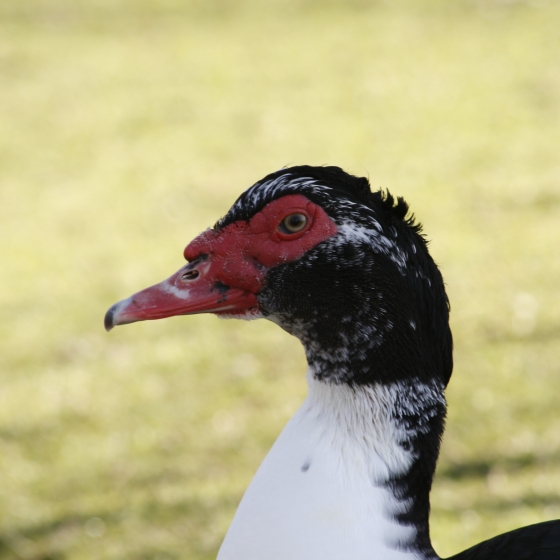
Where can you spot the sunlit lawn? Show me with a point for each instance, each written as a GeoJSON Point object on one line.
{"type": "Point", "coordinates": [128, 127]}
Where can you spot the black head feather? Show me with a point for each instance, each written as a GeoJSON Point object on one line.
{"type": "Point", "coordinates": [379, 253]}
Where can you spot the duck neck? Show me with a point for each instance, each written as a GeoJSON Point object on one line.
{"type": "Point", "coordinates": [398, 427]}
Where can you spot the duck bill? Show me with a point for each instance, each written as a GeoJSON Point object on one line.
{"type": "Point", "coordinates": [191, 290]}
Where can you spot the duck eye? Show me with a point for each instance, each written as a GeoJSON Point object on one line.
{"type": "Point", "coordinates": [294, 223]}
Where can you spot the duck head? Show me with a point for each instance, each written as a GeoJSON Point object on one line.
{"type": "Point", "coordinates": [338, 266]}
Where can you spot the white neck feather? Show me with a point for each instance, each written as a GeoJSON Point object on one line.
{"type": "Point", "coordinates": [320, 493]}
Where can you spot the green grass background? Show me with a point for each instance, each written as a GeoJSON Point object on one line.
{"type": "Point", "coordinates": [129, 126]}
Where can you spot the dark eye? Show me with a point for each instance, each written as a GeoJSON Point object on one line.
{"type": "Point", "coordinates": [294, 223]}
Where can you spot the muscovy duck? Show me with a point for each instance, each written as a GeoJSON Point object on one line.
{"type": "Point", "coordinates": [348, 272]}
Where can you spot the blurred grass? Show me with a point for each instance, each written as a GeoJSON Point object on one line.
{"type": "Point", "coordinates": [128, 127]}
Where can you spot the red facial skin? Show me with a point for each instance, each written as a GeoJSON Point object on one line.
{"type": "Point", "coordinates": [232, 266]}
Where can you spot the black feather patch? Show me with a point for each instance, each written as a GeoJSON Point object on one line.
{"type": "Point", "coordinates": [535, 542]}
{"type": "Point", "coordinates": [399, 209]}
{"type": "Point", "coordinates": [339, 183]}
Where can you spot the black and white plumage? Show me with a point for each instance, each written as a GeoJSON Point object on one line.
{"type": "Point", "coordinates": [344, 270]}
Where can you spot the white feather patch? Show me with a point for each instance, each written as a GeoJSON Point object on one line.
{"type": "Point", "coordinates": [320, 494]}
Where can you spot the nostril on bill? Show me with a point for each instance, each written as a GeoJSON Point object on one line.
{"type": "Point", "coordinates": [190, 275]}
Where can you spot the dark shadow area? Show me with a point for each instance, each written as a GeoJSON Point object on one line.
{"type": "Point", "coordinates": [40, 536]}
{"type": "Point", "coordinates": [9, 539]}
{"type": "Point", "coordinates": [528, 500]}
{"type": "Point", "coordinates": [482, 467]}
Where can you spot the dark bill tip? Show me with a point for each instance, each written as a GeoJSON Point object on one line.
{"type": "Point", "coordinates": [109, 317]}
